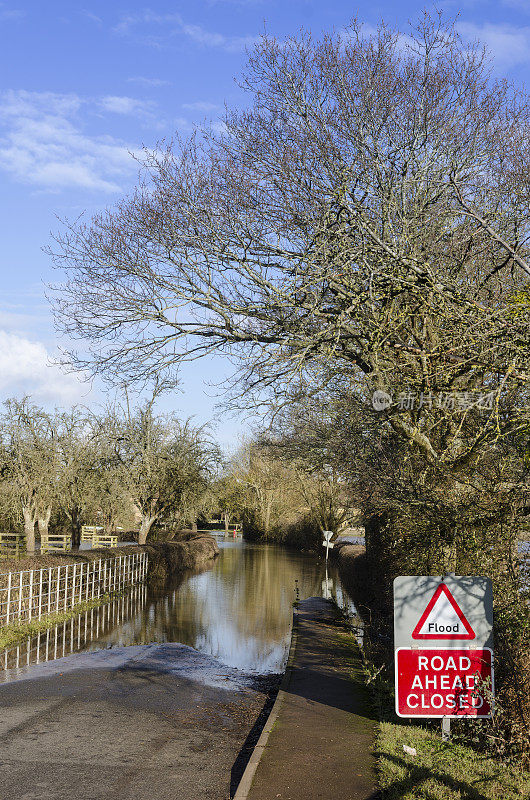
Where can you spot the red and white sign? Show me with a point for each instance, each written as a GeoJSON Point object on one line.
{"type": "Point", "coordinates": [432, 682]}
{"type": "Point", "coordinates": [443, 618]}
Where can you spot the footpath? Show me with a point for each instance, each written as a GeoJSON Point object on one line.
{"type": "Point", "coordinates": [318, 741]}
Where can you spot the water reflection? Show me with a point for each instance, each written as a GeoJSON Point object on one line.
{"type": "Point", "coordinates": [78, 633]}
{"type": "Point", "coordinates": [239, 611]}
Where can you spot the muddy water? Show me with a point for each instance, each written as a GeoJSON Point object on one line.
{"type": "Point", "coordinates": [237, 614]}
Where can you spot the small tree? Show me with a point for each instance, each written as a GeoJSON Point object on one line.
{"type": "Point", "coordinates": [163, 462]}
{"type": "Point", "coordinates": [30, 469]}
{"type": "Point", "coordinates": [229, 496]}
{"type": "Point", "coordinates": [79, 458]}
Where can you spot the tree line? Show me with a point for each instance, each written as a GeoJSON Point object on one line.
{"type": "Point", "coordinates": [123, 465]}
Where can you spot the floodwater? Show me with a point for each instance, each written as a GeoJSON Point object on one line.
{"type": "Point", "coordinates": [237, 614]}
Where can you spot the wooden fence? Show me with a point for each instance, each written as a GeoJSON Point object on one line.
{"type": "Point", "coordinates": [12, 545]}
{"type": "Point", "coordinates": [32, 593]}
{"type": "Point", "coordinates": [55, 542]}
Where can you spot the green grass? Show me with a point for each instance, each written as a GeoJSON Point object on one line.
{"type": "Point", "coordinates": [11, 635]}
{"type": "Point", "coordinates": [442, 771]}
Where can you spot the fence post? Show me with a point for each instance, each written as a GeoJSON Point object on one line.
{"type": "Point", "coordinates": [20, 595]}
{"type": "Point", "coordinates": [30, 593]}
{"type": "Point", "coordinates": [40, 592]}
{"type": "Point", "coordinates": [58, 589]}
{"type": "Point", "coordinates": [66, 588]}
{"type": "Point", "coordinates": [80, 580]}
{"type": "Point", "coordinates": [8, 598]}
{"type": "Point", "coordinates": [49, 589]}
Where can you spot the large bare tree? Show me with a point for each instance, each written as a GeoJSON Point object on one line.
{"type": "Point", "coordinates": [363, 222]}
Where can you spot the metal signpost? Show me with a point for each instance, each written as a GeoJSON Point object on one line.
{"type": "Point", "coordinates": [327, 543]}
{"type": "Point", "coordinates": [443, 647]}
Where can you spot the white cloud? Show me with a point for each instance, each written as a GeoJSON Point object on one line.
{"type": "Point", "coordinates": [91, 16]}
{"type": "Point", "coordinates": [200, 106]}
{"type": "Point", "coordinates": [7, 14]}
{"type": "Point", "coordinates": [42, 143]}
{"type": "Point", "coordinates": [26, 368]}
{"type": "Point", "coordinates": [508, 44]}
{"type": "Point", "coordinates": [121, 105]}
{"type": "Point", "coordinates": [141, 81]}
{"type": "Point", "coordinates": [157, 29]}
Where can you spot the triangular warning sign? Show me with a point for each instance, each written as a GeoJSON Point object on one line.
{"type": "Point", "coordinates": [443, 618]}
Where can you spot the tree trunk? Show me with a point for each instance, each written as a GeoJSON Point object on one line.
{"type": "Point", "coordinates": [145, 527]}
{"type": "Point", "coordinates": [75, 526]}
{"type": "Point", "coordinates": [29, 528]}
{"type": "Point", "coordinates": [226, 521]}
{"type": "Point", "coordinates": [44, 521]}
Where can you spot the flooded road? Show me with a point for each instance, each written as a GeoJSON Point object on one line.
{"type": "Point", "coordinates": [237, 614]}
{"type": "Point", "coordinates": [156, 694]}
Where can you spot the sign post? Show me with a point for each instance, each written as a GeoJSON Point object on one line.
{"type": "Point", "coordinates": [327, 542]}
{"type": "Point", "coordinates": [443, 647]}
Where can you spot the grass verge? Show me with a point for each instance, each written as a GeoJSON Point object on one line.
{"type": "Point", "coordinates": [440, 770]}
{"type": "Point", "coordinates": [11, 635]}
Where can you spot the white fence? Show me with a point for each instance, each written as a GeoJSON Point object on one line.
{"type": "Point", "coordinates": [76, 633]}
{"type": "Point", "coordinates": [33, 593]}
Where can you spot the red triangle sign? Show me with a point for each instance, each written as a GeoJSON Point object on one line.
{"type": "Point", "coordinates": [443, 618]}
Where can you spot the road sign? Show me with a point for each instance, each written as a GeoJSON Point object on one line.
{"type": "Point", "coordinates": [443, 646]}
{"type": "Point", "coordinates": [443, 611]}
{"type": "Point", "coordinates": [431, 682]}
{"type": "Point", "coordinates": [443, 618]}
{"type": "Point", "coordinates": [327, 535]}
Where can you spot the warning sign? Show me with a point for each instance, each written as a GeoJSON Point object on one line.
{"type": "Point", "coordinates": [443, 618]}
{"type": "Point", "coordinates": [446, 611]}
{"type": "Point", "coordinates": [444, 683]}
{"type": "Point", "coordinates": [443, 646]}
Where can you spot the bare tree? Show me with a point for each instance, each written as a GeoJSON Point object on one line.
{"type": "Point", "coordinates": [362, 226]}
{"type": "Point", "coordinates": [163, 462]}
{"type": "Point", "coordinates": [29, 463]}
{"type": "Point", "coordinates": [79, 457]}
{"type": "Point", "coordinates": [366, 215]}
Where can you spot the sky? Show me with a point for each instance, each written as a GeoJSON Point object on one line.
{"type": "Point", "coordinates": [85, 84]}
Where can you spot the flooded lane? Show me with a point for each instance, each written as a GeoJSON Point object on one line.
{"type": "Point", "coordinates": [236, 614]}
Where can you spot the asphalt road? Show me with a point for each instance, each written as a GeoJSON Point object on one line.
{"type": "Point", "coordinates": [135, 723]}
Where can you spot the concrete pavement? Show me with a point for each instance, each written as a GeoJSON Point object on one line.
{"type": "Point", "coordinates": [319, 741]}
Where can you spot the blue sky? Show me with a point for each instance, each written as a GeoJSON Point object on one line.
{"type": "Point", "coordinates": [83, 84]}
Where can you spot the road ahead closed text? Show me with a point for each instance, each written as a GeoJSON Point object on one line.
{"type": "Point", "coordinates": [436, 682]}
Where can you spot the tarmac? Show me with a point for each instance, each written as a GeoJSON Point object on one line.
{"type": "Point", "coordinates": [318, 742]}
{"type": "Point", "coordinates": [155, 722]}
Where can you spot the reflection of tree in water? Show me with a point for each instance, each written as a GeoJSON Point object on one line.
{"type": "Point", "coordinates": [241, 610]}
